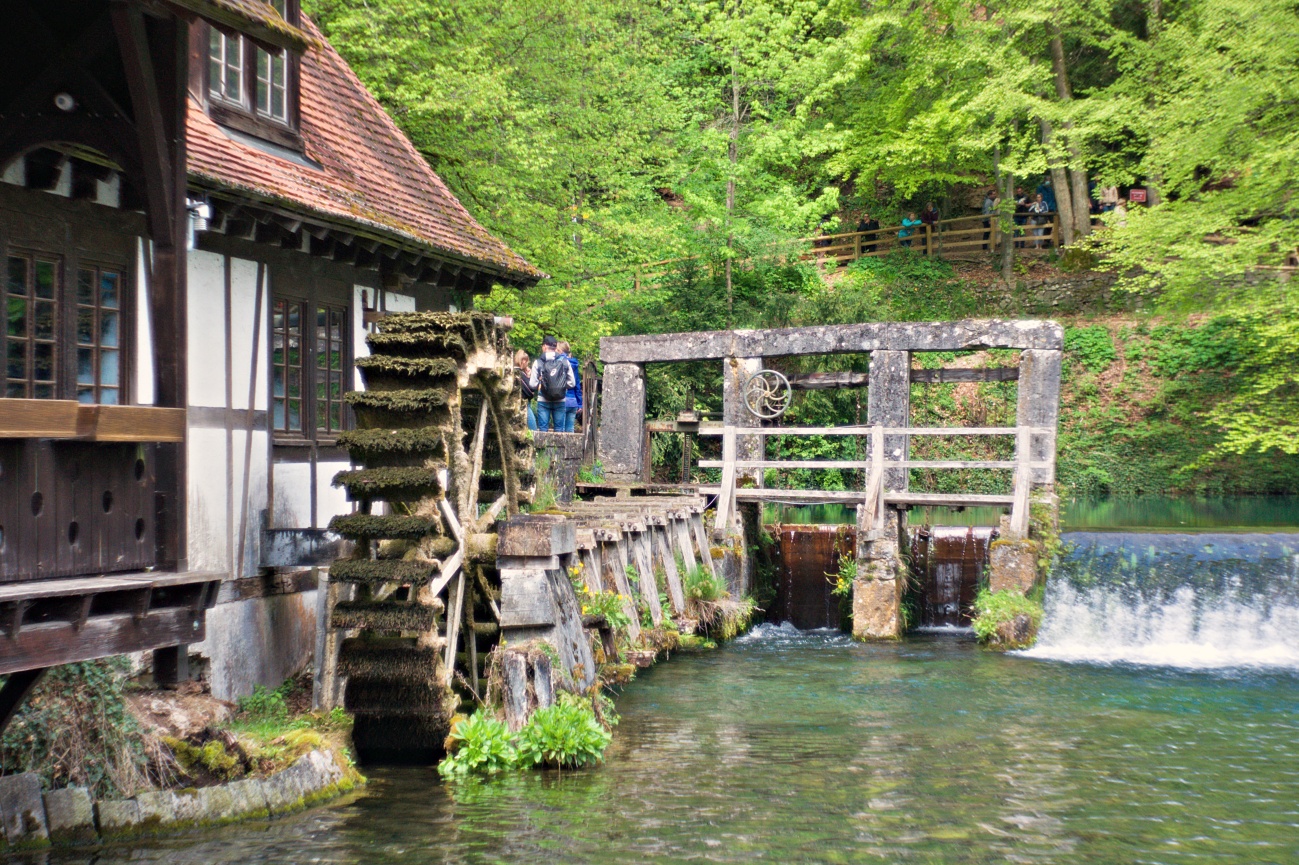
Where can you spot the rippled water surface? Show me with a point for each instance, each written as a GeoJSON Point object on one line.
{"type": "Point", "coordinates": [790, 747]}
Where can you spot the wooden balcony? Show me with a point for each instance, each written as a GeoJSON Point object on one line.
{"type": "Point", "coordinates": [70, 420]}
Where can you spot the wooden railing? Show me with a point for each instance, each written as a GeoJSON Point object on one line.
{"type": "Point", "coordinates": [947, 238]}
{"type": "Point", "coordinates": [874, 496]}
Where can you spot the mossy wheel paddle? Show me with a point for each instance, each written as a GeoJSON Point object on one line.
{"type": "Point", "coordinates": [767, 394]}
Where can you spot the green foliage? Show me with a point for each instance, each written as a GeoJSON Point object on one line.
{"type": "Point", "coordinates": [566, 735]}
{"type": "Point", "coordinates": [480, 745]}
{"type": "Point", "coordinates": [210, 758]}
{"type": "Point", "coordinates": [264, 705]}
{"type": "Point", "coordinates": [843, 578]}
{"type": "Point", "coordinates": [993, 610]}
{"type": "Point", "coordinates": [592, 474]}
{"type": "Point", "coordinates": [75, 729]}
{"type": "Point", "coordinates": [702, 585]}
{"type": "Point", "coordinates": [607, 604]}
{"type": "Point", "coordinates": [1091, 346]}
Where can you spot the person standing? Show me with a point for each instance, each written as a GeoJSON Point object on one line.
{"type": "Point", "coordinates": [551, 377]}
{"type": "Point", "coordinates": [573, 396]}
{"type": "Point", "coordinates": [866, 224]}
{"type": "Point", "coordinates": [1039, 209]}
{"type": "Point", "coordinates": [909, 225]}
{"type": "Point", "coordinates": [991, 201]}
{"type": "Point", "coordinates": [522, 364]}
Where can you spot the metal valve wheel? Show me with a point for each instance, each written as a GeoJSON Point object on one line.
{"type": "Point", "coordinates": [767, 394]}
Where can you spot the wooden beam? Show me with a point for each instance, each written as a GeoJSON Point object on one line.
{"type": "Point", "coordinates": [48, 644]}
{"type": "Point", "coordinates": [718, 429]}
{"type": "Point", "coordinates": [828, 380]}
{"type": "Point", "coordinates": [16, 688]}
{"type": "Point", "coordinates": [946, 376]}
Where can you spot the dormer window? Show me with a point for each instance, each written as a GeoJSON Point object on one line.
{"type": "Point", "coordinates": [251, 90]}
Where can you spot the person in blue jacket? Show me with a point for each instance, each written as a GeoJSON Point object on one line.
{"type": "Point", "coordinates": [573, 399]}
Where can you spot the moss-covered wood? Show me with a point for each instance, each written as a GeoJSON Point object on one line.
{"type": "Point", "coordinates": [374, 572]}
{"type": "Point", "coordinates": [418, 344]}
{"type": "Point", "coordinates": [393, 484]}
{"type": "Point", "coordinates": [388, 660]}
{"type": "Point", "coordinates": [393, 526]}
{"type": "Point", "coordinates": [367, 444]}
{"type": "Point", "coordinates": [385, 615]}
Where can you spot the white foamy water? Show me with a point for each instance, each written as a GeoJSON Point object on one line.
{"type": "Point", "coordinates": [785, 634]}
{"type": "Point", "coordinates": [1104, 624]}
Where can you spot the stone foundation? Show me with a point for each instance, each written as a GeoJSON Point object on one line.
{"type": "Point", "coordinates": [1012, 565]}
{"type": "Point", "coordinates": [877, 609]}
{"type": "Point", "coordinates": [69, 816]}
{"type": "Point", "coordinates": [563, 460]}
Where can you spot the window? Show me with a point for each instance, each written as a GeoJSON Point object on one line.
{"type": "Point", "coordinates": [286, 367]}
{"type": "Point", "coordinates": [99, 336]}
{"type": "Point", "coordinates": [37, 349]}
{"type": "Point", "coordinates": [253, 90]}
{"type": "Point", "coordinates": [308, 360]}
{"type": "Point", "coordinates": [330, 356]}
{"type": "Point", "coordinates": [31, 327]}
{"type": "Point", "coordinates": [225, 60]}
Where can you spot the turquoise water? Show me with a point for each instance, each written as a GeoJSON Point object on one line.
{"type": "Point", "coordinates": [805, 747]}
{"type": "Point", "coordinates": [1236, 513]}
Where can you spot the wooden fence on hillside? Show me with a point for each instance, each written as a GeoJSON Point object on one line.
{"type": "Point", "coordinates": [960, 238]}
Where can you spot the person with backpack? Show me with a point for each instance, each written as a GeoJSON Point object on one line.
{"type": "Point", "coordinates": [551, 377]}
{"type": "Point", "coordinates": [521, 372]}
{"type": "Point", "coordinates": [573, 398]}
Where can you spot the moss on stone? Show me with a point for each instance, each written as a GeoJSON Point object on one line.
{"type": "Point", "coordinates": [382, 571]}
{"type": "Point", "coordinates": [389, 526]}
{"type": "Point", "coordinates": [390, 484]}
{"type": "Point", "coordinates": [435, 322]}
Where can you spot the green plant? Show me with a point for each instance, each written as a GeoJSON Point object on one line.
{"type": "Point", "coordinates": [995, 610]}
{"type": "Point", "coordinates": [592, 474]}
{"type": "Point", "coordinates": [75, 729]}
{"type": "Point", "coordinates": [566, 735]}
{"type": "Point", "coordinates": [607, 604]}
{"type": "Point", "coordinates": [1091, 346]}
{"type": "Point", "coordinates": [480, 745]}
{"type": "Point", "coordinates": [264, 705]}
{"type": "Point", "coordinates": [703, 585]}
{"type": "Point", "coordinates": [843, 578]}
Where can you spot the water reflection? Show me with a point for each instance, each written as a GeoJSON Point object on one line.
{"type": "Point", "coordinates": [797, 747]}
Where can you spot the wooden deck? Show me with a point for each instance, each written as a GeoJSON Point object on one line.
{"type": "Point", "coordinates": [50, 622]}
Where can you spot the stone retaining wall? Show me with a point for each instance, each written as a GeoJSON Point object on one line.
{"type": "Point", "coordinates": [69, 816]}
{"type": "Point", "coordinates": [1088, 291]}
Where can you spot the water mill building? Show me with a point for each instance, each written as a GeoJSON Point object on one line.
{"type": "Point", "coordinates": [202, 211]}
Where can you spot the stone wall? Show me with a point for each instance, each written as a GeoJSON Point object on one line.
{"type": "Point", "coordinates": [70, 816]}
{"type": "Point", "coordinates": [1086, 291]}
{"type": "Point", "coordinates": [562, 459]}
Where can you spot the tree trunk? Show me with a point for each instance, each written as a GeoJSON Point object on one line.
{"type": "Point", "coordinates": [1007, 220]}
{"type": "Point", "coordinates": [733, 151]}
{"type": "Point", "coordinates": [1063, 197]}
{"type": "Point", "coordinates": [1077, 171]}
{"type": "Point", "coordinates": [1154, 22]}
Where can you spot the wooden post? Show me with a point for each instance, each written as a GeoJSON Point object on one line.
{"type": "Point", "coordinates": [701, 540]}
{"type": "Point", "coordinates": [875, 487]}
{"type": "Point", "coordinates": [856, 246]}
{"type": "Point", "coordinates": [726, 495]}
{"type": "Point", "coordinates": [1023, 480]}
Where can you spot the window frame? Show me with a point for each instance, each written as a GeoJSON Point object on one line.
{"type": "Point", "coordinates": [311, 431]}
{"type": "Point", "coordinates": [68, 266]}
{"type": "Point", "coordinates": [243, 114]}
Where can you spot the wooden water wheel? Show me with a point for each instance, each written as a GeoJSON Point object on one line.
{"type": "Point", "coordinates": [442, 451]}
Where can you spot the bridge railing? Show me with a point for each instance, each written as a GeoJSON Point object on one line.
{"type": "Point", "coordinates": [875, 497]}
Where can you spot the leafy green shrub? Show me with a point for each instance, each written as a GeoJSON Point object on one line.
{"type": "Point", "coordinates": [481, 745]}
{"type": "Point", "coordinates": [1215, 344]}
{"type": "Point", "coordinates": [75, 729]}
{"type": "Point", "coordinates": [995, 610]}
{"type": "Point", "coordinates": [607, 604]}
{"type": "Point", "coordinates": [1091, 346]}
{"type": "Point", "coordinates": [263, 705]}
{"type": "Point", "coordinates": [566, 735]}
{"type": "Point", "coordinates": [702, 585]}
{"type": "Point", "coordinates": [843, 579]}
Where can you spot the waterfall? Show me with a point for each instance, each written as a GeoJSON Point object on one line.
{"type": "Point", "coordinates": [1200, 601]}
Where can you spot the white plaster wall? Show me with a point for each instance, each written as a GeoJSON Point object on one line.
{"type": "Point", "coordinates": [208, 491]}
{"type": "Point", "coordinates": [143, 323]}
{"type": "Point", "coordinates": [359, 348]}
{"type": "Point", "coordinates": [207, 336]}
{"type": "Point", "coordinates": [245, 322]}
{"type": "Point", "coordinates": [330, 500]}
{"type": "Point", "coordinates": [261, 641]}
{"type": "Point", "coordinates": [292, 495]}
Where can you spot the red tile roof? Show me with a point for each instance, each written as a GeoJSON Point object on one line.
{"type": "Point", "coordinates": [371, 178]}
{"type": "Point", "coordinates": [257, 18]}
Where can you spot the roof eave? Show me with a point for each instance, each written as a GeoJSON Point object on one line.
{"type": "Point", "coordinates": [267, 27]}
